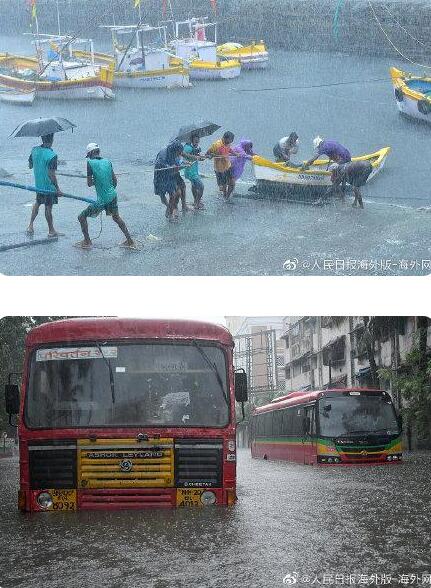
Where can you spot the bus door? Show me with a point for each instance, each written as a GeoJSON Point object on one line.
{"type": "Point", "coordinates": [309, 435]}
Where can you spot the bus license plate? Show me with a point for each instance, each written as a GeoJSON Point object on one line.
{"type": "Point", "coordinates": [189, 496]}
{"type": "Point", "coordinates": [63, 500]}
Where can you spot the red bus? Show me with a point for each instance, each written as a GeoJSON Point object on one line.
{"type": "Point", "coordinates": [126, 414]}
{"type": "Point", "coordinates": [326, 427]}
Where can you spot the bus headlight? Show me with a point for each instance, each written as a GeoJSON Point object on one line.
{"type": "Point", "coordinates": [44, 500]}
{"type": "Point", "coordinates": [208, 497]}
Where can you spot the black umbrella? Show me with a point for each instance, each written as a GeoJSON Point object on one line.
{"type": "Point", "coordinates": [203, 128]}
{"type": "Point", "coordinates": [38, 127]}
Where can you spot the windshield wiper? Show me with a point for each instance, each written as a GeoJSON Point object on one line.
{"type": "Point", "coordinates": [213, 367]}
{"type": "Point", "coordinates": [111, 374]}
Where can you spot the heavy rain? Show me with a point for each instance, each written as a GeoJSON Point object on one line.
{"type": "Point", "coordinates": [331, 82]}
{"type": "Point", "coordinates": [289, 519]}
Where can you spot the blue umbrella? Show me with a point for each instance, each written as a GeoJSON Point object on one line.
{"type": "Point", "coordinates": [38, 127]}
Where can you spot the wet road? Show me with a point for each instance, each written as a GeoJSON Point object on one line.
{"type": "Point", "coordinates": [289, 518]}
{"type": "Point", "coordinates": [246, 237]}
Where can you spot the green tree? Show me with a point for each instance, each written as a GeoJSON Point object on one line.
{"type": "Point", "coordinates": [13, 331]}
{"type": "Point", "coordinates": [413, 382]}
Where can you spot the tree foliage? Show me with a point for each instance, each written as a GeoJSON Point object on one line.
{"type": "Point", "coordinates": [413, 382]}
{"type": "Point", "coordinates": [13, 331]}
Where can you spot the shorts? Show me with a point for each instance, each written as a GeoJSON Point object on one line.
{"type": "Point", "coordinates": [47, 199]}
{"type": "Point", "coordinates": [223, 178]}
{"type": "Point", "coordinates": [181, 185]}
{"type": "Point", "coordinates": [166, 183]}
{"type": "Point", "coordinates": [95, 209]}
{"type": "Point", "coordinates": [197, 183]}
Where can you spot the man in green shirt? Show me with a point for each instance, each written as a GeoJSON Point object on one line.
{"type": "Point", "coordinates": [100, 174]}
{"type": "Point", "coordinates": [43, 162]}
{"type": "Point", "coordinates": [191, 152]}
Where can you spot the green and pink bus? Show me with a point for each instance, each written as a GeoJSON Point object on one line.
{"type": "Point", "coordinates": [326, 427]}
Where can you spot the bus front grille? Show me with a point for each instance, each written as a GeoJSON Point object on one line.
{"type": "Point", "coordinates": [198, 463]}
{"type": "Point", "coordinates": [125, 463]}
{"type": "Point", "coordinates": [125, 499]}
{"type": "Point", "coordinates": [52, 467]}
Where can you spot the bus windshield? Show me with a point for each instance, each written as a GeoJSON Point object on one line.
{"type": "Point", "coordinates": [346, 414]}
{"type": "Point", "coordinates": [178, 385]}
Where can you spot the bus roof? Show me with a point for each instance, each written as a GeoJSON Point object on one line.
{"type": "Point", "coordinates": [89, 329]}
{"type": "Point", "coordinates": [304, 397]}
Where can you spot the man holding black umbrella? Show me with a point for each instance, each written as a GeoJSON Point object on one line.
{"type": "Point", "coordinates": [43, 162]}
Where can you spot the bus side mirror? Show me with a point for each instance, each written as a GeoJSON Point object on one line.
{"type": "Point", "coordinates": [11, 398]}
{"type": "Point", "coordinates": [241, 394]}
{"type": "Point", "coordinates": [400, 422]}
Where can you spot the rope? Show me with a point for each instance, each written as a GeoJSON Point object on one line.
{"type": "Point", "coordinates": [391, 43]}
{"type": "Point", "coordinates": [404, 29]}
{"type": "Point", "coordinates": [48, 192]}
{"type": "Point", "coordinates": [370, 81]}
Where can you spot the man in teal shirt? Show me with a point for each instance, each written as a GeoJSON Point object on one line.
{"type": "Point", "coordinates": [43, 162]}
{"type": "Point", "coordinates": [191, 152]}
{"type": "Point", "coordinates": [100, 174]}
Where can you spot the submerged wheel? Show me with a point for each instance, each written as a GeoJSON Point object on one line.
{"type": "Point", "coordinates": [424, 107]}
{"type": "Point", "coordinates": [399, 95]}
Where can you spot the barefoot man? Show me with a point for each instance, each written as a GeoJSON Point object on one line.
{"type": "Point", "coordinates": [220, 151]}
{"type": "Point", "coordinates": [100, 174]}
{"type": "Point", "coordinates": [43, 162]}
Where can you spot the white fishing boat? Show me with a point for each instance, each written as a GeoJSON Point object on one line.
{"type": "Point", "coordinates": [253, 56]}
{"type": "Point", "coordinates": [278, 177]}
{"type": "Point", "coordinates": [412, 94]}
{"type": "Point", "coordinates": [199, 54]}
{"type": "Point", "coordinates": [142, 65]}
{"type": "Point", "coordinates": [53, 73]}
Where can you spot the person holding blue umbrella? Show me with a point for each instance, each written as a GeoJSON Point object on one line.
{"type": "Point", "coordinates": [43, 162]}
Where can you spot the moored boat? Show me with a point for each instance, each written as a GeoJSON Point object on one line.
{"type": "Point", "coordinates": [412, 94]}
{"type": "Point", "coordinates": [279, 178]}
{"type": "Point", "coordinates": [22, 79]}
{"type": "Point", "coordinates": [200, 54]}
{"type": "Point", "coordinates": [139, 65]}
{"type": "Point", "coordinates": [253, 56]}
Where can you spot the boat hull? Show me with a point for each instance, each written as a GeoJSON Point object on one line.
{"type": "Point", "coordinates": [161, 79]}
{"type": "Point", "coordinates": [214, 71]}
{"type": "Point", "coordinates": [82, 88]}
{"type": "Point", "coordinates": [278, 178]}
{"type": "Point", "coordinates": [253, 56]}
{"type": "Point", "coordinates": [409, 98]}
{"type": "Point", "coordinates": [19, 98]}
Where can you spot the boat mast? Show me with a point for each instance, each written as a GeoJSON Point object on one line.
{"type": "Point", "coordinates": [58, 19]}
{"type": "Point", "coordinates": [141, 34]}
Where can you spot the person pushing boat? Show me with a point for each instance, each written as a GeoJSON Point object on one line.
{"type": "Point", "coordinates": [332, 149]}
{"type": "Point", "coordinates": [166, 177]}
{"type": "Point", "coordinates": [100, 174]}
{"type": "Point", "coordinates": [220, 150]}
{"type": "Point", "coordinates": [355, 173]}
{"type": "Point", "coordinates": [192, 153]}
{"type": "Point", "coordinates": [243, 153]}
{"type": "Point", "coordinates": [43, 162]}
{"type": "Point", "coordinates": [285, 148]}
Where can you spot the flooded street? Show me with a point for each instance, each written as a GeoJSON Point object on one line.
{"type": "Point", "coordinates": [247, 236]}
{"type": "Point", "coordinates": [289, 518]}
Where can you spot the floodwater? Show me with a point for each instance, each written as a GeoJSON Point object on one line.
{"type": "Point", "coordinates": [248, 236]}
{"type": "Point", "coordinates": [289, 519]}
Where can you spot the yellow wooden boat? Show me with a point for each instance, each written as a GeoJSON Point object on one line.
{"type": "Point", "coordinates": [278, 177]}
{"type": "Point", "coordinates": [142, 65]}
{"type": "Point", "coordinates": [412, 94]}
{"type": "Point", "coordinates": [199, 54]}
{"type": "Point", "coordinates": [20, 76]}
{"type": "Point", "coordinates": [253, 56]}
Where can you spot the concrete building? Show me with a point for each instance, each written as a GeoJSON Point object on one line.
{"type": "Point", "coordinates": [334, 351]}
